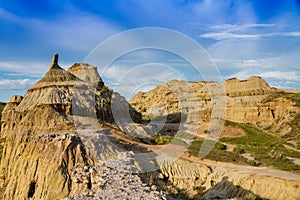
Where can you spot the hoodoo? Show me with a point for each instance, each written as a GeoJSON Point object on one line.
{"type": "Point", "coordinates": [42, 147]}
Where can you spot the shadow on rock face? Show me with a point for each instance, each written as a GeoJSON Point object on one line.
{"type": "Point", "coordinates": [227, 190]}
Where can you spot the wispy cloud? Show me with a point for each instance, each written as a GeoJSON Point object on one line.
{"type": "Point", "coordinates": [235, 27]}
{"type": "Point", "coordinates": [28, 68]}
{"type": "Point", "coordinates": [21, 84]}
{"type": "Point", "coordinates": [278, 79]}
{"type": "Point", "coordinates": [279, 75]}
{"type": "Point", "coordinates": [227, 36]}
{"type": "Point", "coordinates": [263, 63]}
{"type": "Point", "coordinates": [24, 68]}
{"type": "Point", "coordinates": [246, 31]}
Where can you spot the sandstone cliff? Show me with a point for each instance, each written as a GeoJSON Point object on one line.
{"type": "Point", "coordinates": [247, 101]}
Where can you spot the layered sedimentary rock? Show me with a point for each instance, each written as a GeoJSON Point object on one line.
{"type": "Point", "coordinates": [41, 131]}
{"type": "Point", "coordinates": [216, 180]}
{"type": "Point", "coordinates": [246, 102]}
{"type": "Point", "coordinates": [254, 85]}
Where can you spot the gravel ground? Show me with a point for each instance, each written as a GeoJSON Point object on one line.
{"type": "Point", "coordinates": [115, 179]}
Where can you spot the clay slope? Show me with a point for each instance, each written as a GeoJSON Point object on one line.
{"type": "Point", "coordinates": [247, 101]}
{"type": "Point", "coordinates": [217, 180]}
{"type": "Point", "coordinates": [41, 131]}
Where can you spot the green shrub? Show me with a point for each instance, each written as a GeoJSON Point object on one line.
{"type": "Point", "coordinates": [146, 118]}
{"type": "Point", "coordinates": [161, 139]}
{"type": "Point", "coordinates": [239, 150]}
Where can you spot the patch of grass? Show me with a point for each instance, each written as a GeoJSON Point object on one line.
{"type": "Point", "coordinates": [254, 137]}
{"type": "Point", "coordinates": [264, 147]}
{"type": "Point", "coordinates": [230, 123]}
{"type": "Point", "coordinates": [179, 138]}
{"type": "Point", "coordinates": [293, 96]}
{"type": "Point", "coordinates": [161, 139]}
{"type": "Point", "coordinates": [218, 152]}
{"type": "Point", "coordinates": [146, 118]}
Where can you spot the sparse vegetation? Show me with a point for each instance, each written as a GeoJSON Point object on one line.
{"type": "Point", "coordinates": [266, 148]}
{"type": "Point", "coordinates": [295, 132]}
{"type": "Point", "coordinates": [161, 139]}
{"type": "Point", "coordinates": [293, 96]}
{"type": "Point", "coordinates": [254, 137]}
{"type": "Point", "coordinates": [146, 118]}
{"type": "Point", "coordinates": [218, 152]}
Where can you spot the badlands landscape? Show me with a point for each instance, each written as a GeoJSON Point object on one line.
{"type": "Point", "coordinates": [72, 137]}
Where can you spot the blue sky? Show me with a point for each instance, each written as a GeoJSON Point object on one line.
{"type": "Point", "coordinates": [243, 38]}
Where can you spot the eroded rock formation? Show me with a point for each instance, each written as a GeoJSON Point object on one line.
{"type": "Point", "coordinates": [217, 180]}
{"type": "Point", "coordinates": [53, 141]}
{"type": "Point", "coordinates": [42, 146]}
{"type": "Point", "coordinates": [247, 101]}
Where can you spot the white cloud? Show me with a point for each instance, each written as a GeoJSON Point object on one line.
{"type": "Point", "coordinates": [21, 84]}
{"type": "Point", "coordinates": [278, 79]}
{"type": "Point", "coordinates": [24, 68]}
{"type": "Point", "coordinates": [262, 63]}
{"type": "Point", "coordinates": [239, 55]}
{"type": "Point", "coordinates": [279, 75]}
{"type": "Point", "coordinates": [247, 31]}
{"type": "Point", "coordinates": [28, 68]}
{"type": "Point", "coordinates": [235, 27]}
{"type": "Point", "coordinates": [228, 35]}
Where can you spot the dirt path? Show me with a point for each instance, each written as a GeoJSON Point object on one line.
{"type": "Point", "coordinates": [231, 167]}
{"type": "Point", "coordinates": [264, 171]}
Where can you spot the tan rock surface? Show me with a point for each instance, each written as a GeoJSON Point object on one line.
{"type": "Point", "coordinates": [212, 180]}
{"type": "Point", "coordinates": [245, 102]}
{"type": "Point", "coordinates": [42, 146]}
